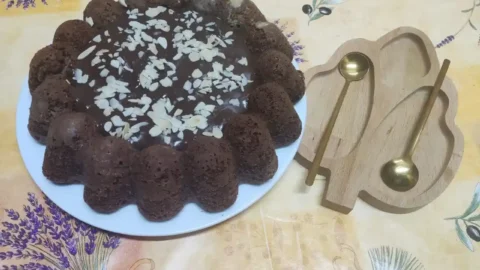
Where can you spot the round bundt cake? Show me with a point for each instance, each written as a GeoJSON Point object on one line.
{"type": "Point", "coordinates": [158, 102]}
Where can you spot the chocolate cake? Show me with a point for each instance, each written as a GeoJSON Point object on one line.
{"type": "Point", "coordinates": [157, 102]}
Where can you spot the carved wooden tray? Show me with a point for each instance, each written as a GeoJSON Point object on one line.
{"type": "Point", "coordinates": [376, 120]}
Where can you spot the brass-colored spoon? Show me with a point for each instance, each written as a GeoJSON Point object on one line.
{"type": "Point", "coordinates": [352, 67]}
{"type": "Point", "coordinates": [402, 174]}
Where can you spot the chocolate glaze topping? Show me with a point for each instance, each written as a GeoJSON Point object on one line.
{"type": "Point", "coordinates": [162, 76]}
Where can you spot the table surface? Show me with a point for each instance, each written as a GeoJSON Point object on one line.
{"type": "Point", "coordinates": [286, 229]}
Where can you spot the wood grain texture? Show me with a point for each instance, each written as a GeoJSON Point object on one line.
{"type": "Point", "coordinates": [376, 122]}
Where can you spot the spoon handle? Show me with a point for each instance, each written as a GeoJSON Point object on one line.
{"type": "Point", "coordinates": [312, 173]}
{"type": "Point", "coordinates": [427, 109]}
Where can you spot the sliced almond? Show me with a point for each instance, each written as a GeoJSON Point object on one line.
{"type": "Point", "coordinates": [117, 121]}
{"type": "Point", "coordinates": [243, 61]}
{"type": "Point", "coordinates": [104, 73]}
{"type": "Point", "coordinates": [197, 73]}
{"type": "Point", "coordinates": [137, 25]}
{"type": "Point", "coordinates": [197, 83]}
{"type": "Point", "coordinates": [153, 86]}
{"type": "Point", "coordinates": [89, 20]}
{"type": "Point", "coordinates": [194, 56]}
{"type": "Point", "coordinates": [102, 104]}
{"type": "Point", "coordinates": [86, 52]}
{"type": "Point", "coordinates": [166, 82]}
{"type": "Point", "coordinates": [97, 38]}
{"type": "Point", "coordinates": [187, 86]}
{"type": "Point", "coordinates": [217, 132]}
{"type": "Point", "coordinates": [107, 126]}
{"type": "Point", "coordinates": [153, 12]}
{"type": "Point", "coordinates": [163, 42]}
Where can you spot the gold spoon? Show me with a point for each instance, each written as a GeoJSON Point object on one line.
{"type": "Point", "coordinates": [402, 174]}
{"type": "Point", "coordinates": [352, 67]}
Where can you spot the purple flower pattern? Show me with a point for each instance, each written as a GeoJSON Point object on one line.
{"type": "Point", "coordinates": [468, 22]}
{"type": "Point", "coordinates": [25, 4]}
{"type": "Point", "coordinates": [28, 266]}
{"type": "Point", "coordinates": [295, 43]}
{"type": "Point", "coordinates": [51, 239]}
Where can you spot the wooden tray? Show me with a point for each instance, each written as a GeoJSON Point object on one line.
{"type": "Point", "coordinates": [376, 120]}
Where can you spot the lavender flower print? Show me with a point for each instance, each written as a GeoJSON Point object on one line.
{"type": "Point", "coordinates": [470, 11]}
{"type": "Point", "coordinates": [297, 47]}
{"type": "Point", "coordinates": [53, 240]}
{"type": "Point", "coordinates": [25, 4]}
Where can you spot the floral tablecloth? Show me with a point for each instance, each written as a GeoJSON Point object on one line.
{"type": "Point", "coordinates": [285, 230]}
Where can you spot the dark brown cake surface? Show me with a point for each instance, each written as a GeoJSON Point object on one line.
{"type": "Point", "coordinates": [73, 129]}
{"type": "Point", "coordinates": [264, 36]}
{"type": "Point", "coordinates": [275, 66]}
{"type": "Point", "coordinates": [100, 13]}
{"type": "Point", "coordinates": [107, 200]}
{"type": "Point", "coordinates": [253, 148]}
{"type": "Point", "coordinates": [67, 137]}
{"type": "Point", "coordinates": [108, 163]}
{"type": "Point", "coordinates": [52, 98]}
{"type": "Point", "coordinates": [272, 103]}
{"type": "Point", "coordinates": [143, 4]}
{"type": "Point", "coordinates": [159, 173]}
{"type": "Point", "coordinates": [77, 33]}
{"type": "Point", "coordinates": [160, 182]}
{"type": "Point", "coordinates": [212, 172]}
{"type": "Point", "coordinates": [246, 13]}
{"type": "Point", "coordinates": [50, 60]}
{"type": "Point", "coordinates": [107, 168]}
{"type": "Point", "coordinates": [160, 210]}
{"type": "Point", "coordinates": [164, 75]}
{"type": "Point", "coordinates": [211, 163]}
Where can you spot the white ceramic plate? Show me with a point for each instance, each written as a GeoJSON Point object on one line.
{"type": "Point", "coordinates": [128, 220]}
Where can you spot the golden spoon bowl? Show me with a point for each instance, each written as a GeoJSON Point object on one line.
{"type": "Point", "coordinates": [354, 66]}
{"type": "Point", "coordinates": [400, 174]}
